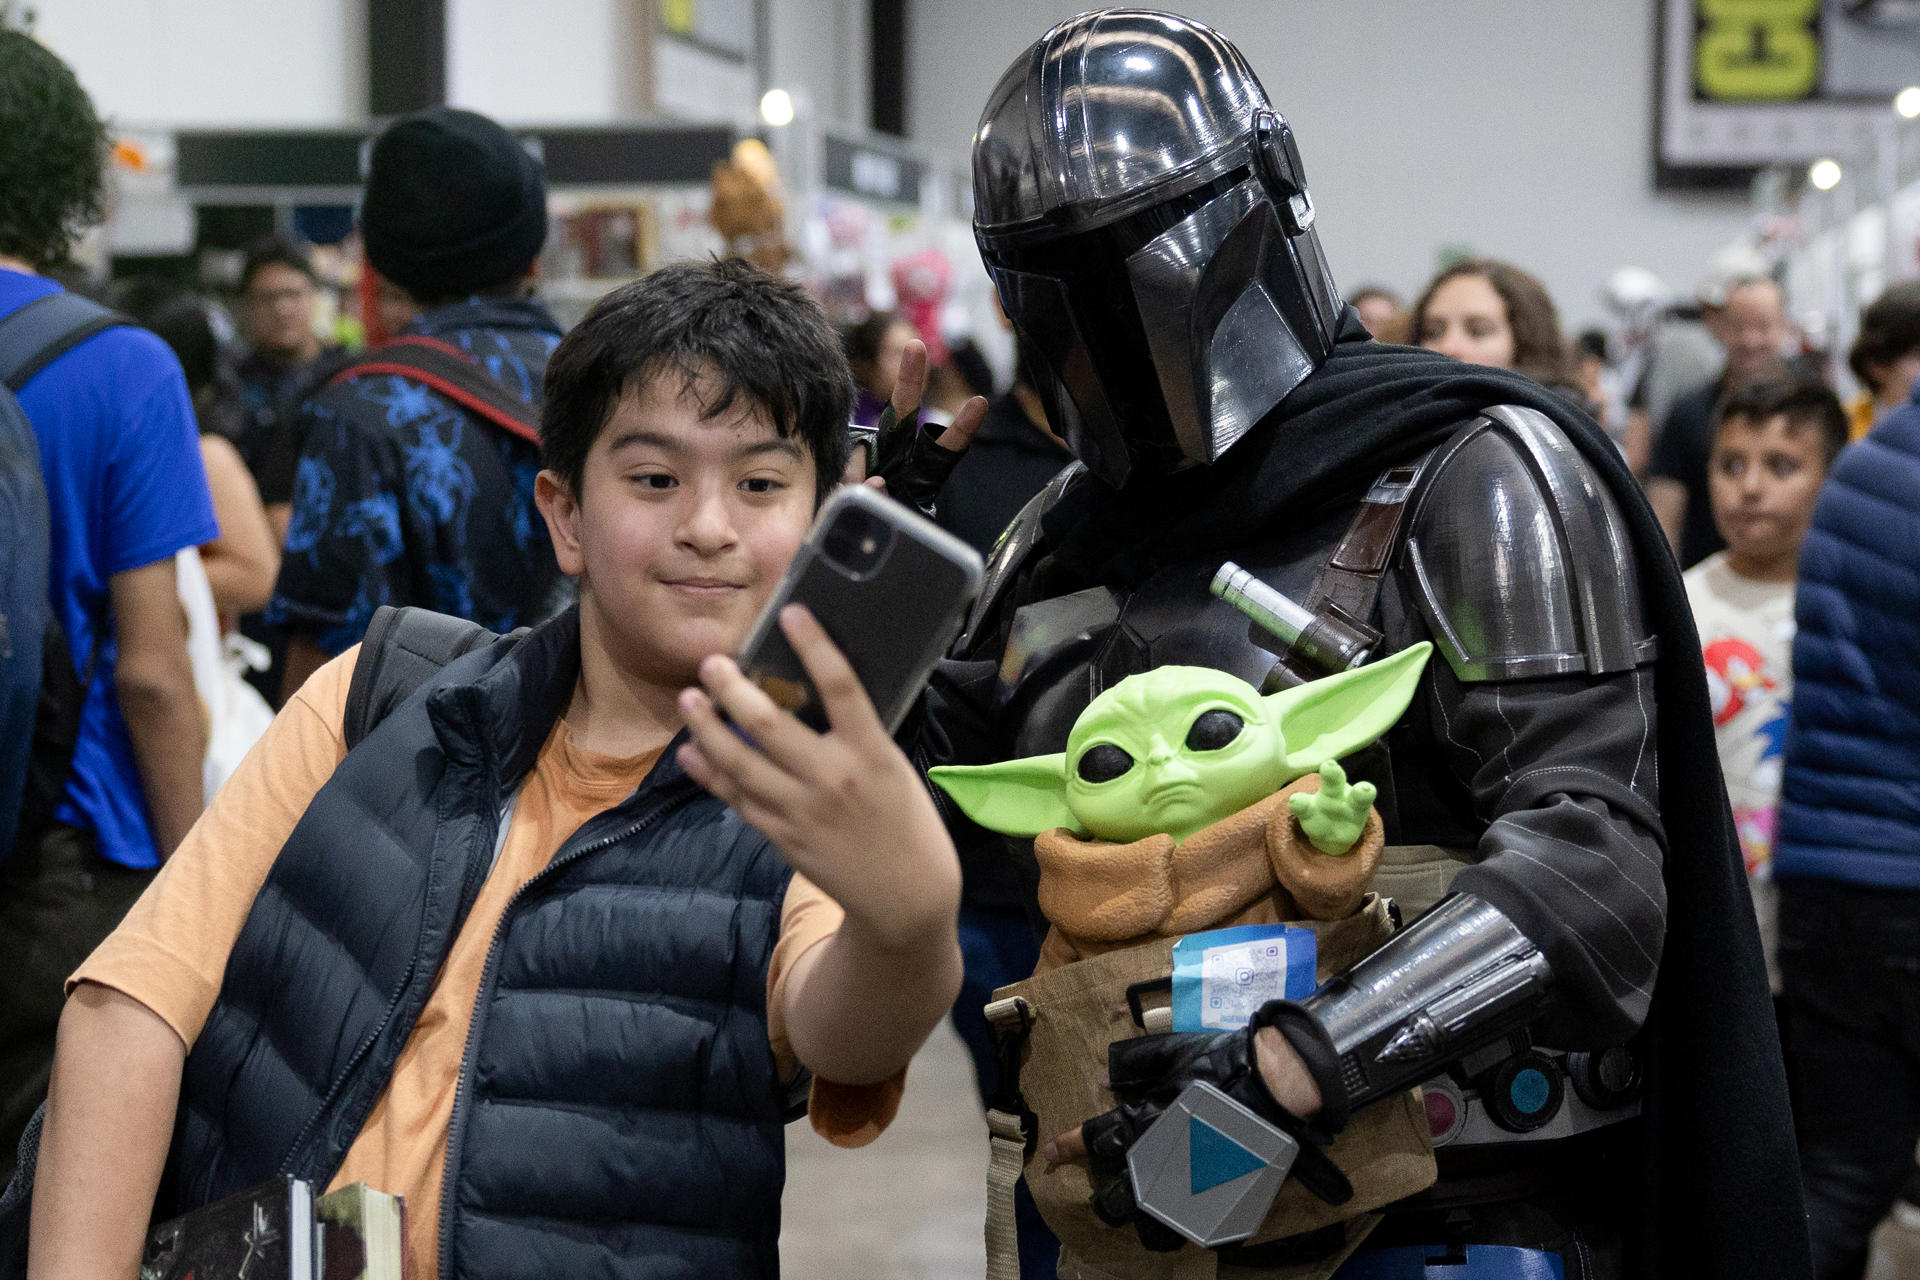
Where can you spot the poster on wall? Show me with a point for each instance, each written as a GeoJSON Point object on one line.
{"type": "Point", "coordinates": [1749, 83]}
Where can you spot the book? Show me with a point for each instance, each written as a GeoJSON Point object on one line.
{"type": "Point", "coordinates": [280, 1231]}
{"type": "Point", "coordinates": [263, 1233]}
{"type": "Point", "coordinates": [362, 1234]}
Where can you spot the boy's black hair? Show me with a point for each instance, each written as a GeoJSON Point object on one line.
{"type": "Point", "coordinates": [758, 336]}
{"type": "Point", "coordinates": [1807, 406]}
{"type": "Point", "coordinates": [53, 154]}
{"type": "Point", "coordinates": [275, 251]}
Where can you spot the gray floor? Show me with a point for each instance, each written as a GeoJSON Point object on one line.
{"type": "Point", "coordinates": [909, 1207]}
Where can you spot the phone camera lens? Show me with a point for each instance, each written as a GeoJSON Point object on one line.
{"type": "Point", "coordinates": [857, 543]}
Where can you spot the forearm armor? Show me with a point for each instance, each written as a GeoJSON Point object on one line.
{"type": "Point", "coordinates": [1458, 978]}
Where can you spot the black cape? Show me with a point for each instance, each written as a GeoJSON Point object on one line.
{"type": "Point", "coordinates": [1720, 1193]}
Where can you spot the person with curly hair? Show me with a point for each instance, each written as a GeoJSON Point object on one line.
{"type": "Point", "coordinates": [1485, 311]}
{"type": "Point", "coordinates": [120, 457]}
{"type": "Point", "coordinates": [53, 151]}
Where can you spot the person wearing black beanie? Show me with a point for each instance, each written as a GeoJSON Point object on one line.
{"type": "Point", "coordinates": [403, 494]}
{"type": "Point", "coordinates": [454, 205]}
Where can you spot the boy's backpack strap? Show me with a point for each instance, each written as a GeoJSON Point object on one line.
{"type": "Point", "coordinates": [454, 374]}
{"type": "Point", "coordinates": [403, 649]}
{"type": "Point", "coordinates": [34, 336]}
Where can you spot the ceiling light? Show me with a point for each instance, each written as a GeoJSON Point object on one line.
{"type": "Point", "coordinates": [776, 107]}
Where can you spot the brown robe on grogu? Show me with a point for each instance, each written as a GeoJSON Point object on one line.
{"type": "Point", "coordinates": [1252, 867]}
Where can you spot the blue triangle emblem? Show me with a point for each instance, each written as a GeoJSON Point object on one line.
{"type": "Point", "coordinates": [1214, 1158]}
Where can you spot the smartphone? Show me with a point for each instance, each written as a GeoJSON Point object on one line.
{"type": "Point", "coordinates": [890, 587]}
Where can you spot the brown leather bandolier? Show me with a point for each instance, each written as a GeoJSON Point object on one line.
{"type": "Point", "coordinates": [1346, 589]}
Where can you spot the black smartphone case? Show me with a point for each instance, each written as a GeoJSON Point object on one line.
{"type": "Point", "coordinates": [893, 621]}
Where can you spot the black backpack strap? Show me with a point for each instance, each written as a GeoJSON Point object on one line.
{"type": "Point", "coordinates": [403, 649]}
{"type": "Point", "coordinates": [454, 374]}
{"type": "Point", "coordinates": [34, 336]}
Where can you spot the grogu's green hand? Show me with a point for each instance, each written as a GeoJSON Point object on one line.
{"type": "Point", "coordinates": [1335, 816]}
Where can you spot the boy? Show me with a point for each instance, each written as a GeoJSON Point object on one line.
{"type": "Point", "coordinates": [556, 1012]}
{"type": "Point", "coordinates": [1772, 445]}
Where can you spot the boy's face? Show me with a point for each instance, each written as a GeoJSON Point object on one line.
{"type": "Point", "coordinates": [683, 525]}
{"type": "Point", "coordinates": [1762, 478]}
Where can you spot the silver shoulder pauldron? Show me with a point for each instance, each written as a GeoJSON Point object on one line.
{"type": "Point", "coordinates": [1518, 558]}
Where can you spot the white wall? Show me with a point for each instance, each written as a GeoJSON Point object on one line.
{"type": "Point", "coordinates": [557, 62]}
{"type": "Point", "coordinates": [1521, 129]}
{"type": "Point", "coordinates": [819, 49]}
{"type": "Point", "coordinates": [163, 64]}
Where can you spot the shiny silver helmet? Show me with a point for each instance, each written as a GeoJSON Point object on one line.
{"type": "Point", "coordinates": [1144, 215]}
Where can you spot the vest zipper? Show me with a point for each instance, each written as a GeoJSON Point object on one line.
{"type": "Point", "coordinates": [326, 1104]}
{"type": "Point", "coordinates": [287, 1166]}
{"type": "Point", "coordinates": [462, 1090]}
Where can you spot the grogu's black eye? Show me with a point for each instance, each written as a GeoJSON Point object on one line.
{"type": "Point", "coordinates": [1103, 763]}
{"type": "Point", "coordinates": [1214, 730]}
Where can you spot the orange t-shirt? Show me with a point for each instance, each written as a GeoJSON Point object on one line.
{"type": "Point", "coordinates": [171, 950]}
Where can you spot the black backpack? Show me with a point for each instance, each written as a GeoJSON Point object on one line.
{"type": "Point", "coordinates": [41, 689]}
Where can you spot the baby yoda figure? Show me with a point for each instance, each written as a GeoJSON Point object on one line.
{"type": "Point", "coordinates": [1186, 800]}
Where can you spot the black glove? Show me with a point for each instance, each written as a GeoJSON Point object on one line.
{"type": "Point", "coordinates": [914, 467]}
{"type": "Point", "coordinates": [1148, 1072]}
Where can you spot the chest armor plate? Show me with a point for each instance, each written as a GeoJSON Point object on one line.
{"type": "Point", "coordinates": [1063, 652]}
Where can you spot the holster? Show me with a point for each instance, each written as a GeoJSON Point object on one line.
{"type": "Point", "coordinates": [1055, 1029]}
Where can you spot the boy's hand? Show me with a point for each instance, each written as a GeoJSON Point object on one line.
{"type": "Point", "coordinates": [845, 807]}
{"type": "Point", "coordinates": [1334, 817]}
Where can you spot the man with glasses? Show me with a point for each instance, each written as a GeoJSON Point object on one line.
{"type": "Point", "coordinates": [286, 361]}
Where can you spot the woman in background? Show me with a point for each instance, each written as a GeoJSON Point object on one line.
{"type": "Point", "coordinates": [1483, 311]}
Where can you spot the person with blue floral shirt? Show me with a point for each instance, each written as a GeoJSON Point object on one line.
{"type": "Point", "coordinates": [401, 495]}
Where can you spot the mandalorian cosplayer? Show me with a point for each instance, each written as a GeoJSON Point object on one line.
{"type": "Point", "coordinates": [1586, 999]}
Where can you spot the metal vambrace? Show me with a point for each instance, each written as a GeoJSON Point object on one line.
{"type": "Point", "coordinates": [1458, 978]}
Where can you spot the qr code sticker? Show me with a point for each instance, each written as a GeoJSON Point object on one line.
{"type": "Point", "coordinates": [1237, 978]}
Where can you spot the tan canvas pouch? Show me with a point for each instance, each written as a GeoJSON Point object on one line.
{"type": "Point", "coordinates": [1415, 876]}
{"type": "Point", "coordinates": [1079, 1009]}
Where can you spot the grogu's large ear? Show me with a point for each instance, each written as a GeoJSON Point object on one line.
{"type": "Point", "coordinates": [1336, 716]}
{"type": "Point", "coordinates": [1016, 798]}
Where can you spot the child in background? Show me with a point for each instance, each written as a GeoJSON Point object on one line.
{"type": "Point", "coordinates": [1772, 445]}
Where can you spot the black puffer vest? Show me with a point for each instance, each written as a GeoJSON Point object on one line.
{"type": "Point", "coordinates": [619, 1110]}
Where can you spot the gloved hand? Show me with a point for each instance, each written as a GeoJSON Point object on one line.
{"type": "Point", "coordinates": [914, 467]}
{"type": "Point", "coordinates": [1148, 1072]}
{"type": "Point", "coordinates": [915, 464]}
